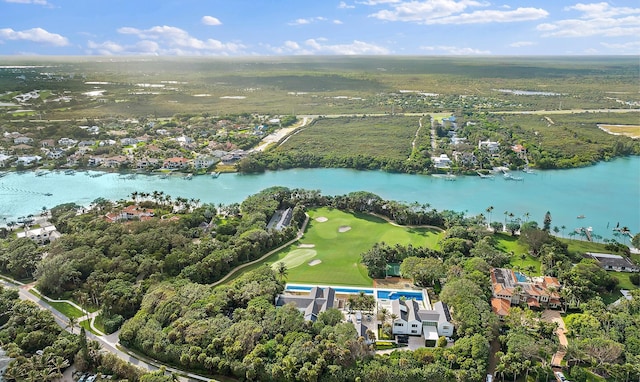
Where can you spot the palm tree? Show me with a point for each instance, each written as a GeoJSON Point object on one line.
{"type": "Point", "coordinates": [489, 210]}
{"type": "Point", "coordinates": [383, 315]}
{"type": "Point", "coordinates": [281, 270]}
{"type": "Point", "coordinates": [562, 228]}
{"type": "Point", "coordinates": [526, 217]}
{"type": "Point", "coordinates": [73, 321]}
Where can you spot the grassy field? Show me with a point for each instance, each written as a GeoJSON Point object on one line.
{"type": "Point", "coordinates": [339, 252]}
{"type": "Point", "coordinates": [369, 136]}
{"type": "Point", "coordinates": [632, 131]}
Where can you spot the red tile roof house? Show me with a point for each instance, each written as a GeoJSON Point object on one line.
{"type": "Point", "coordinates": [518, 289]}
{"type": "Point", "coordinates": [129, 213]}
{"type": "Point", "coordinates": [175, 163]}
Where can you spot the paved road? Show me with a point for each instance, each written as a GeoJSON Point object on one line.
{"type": "Point", "coordinates": [108, 343]}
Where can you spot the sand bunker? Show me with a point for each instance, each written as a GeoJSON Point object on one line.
{"type": "Point", "coordinates": [306, 245]}
{"type": "Point", "coordinates": [321, 219]}
{"type": "Point", "coordinates": [314, 262]}
{"type": "Point", "coordinates": [344, 228]}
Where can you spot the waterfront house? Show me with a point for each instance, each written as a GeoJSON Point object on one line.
{"type": "Point", "coordinates": [28, 160]}
{"type": "Point", "coordinates": [129, 213]}
{"type": "Point", "coordinates": [175, 163]}
{"type": "Point", "coordinates": [115, 161]}
{"type": "Point", "coordinates": [412, 319]}
{"type": "Point", "coordinates": [612, 262]}
{"type": "Point", "coordinates": [493, 147]}
{"type": "Point", "coordinates": [4, 160]}
{"type": "Point", "coordinates": [41, 235]}
{"type": "Point", "coordinates": [441, 161]}
{"type": "Point", "coordinates": [95, 161]}
{"type": "Point", "coordinates": [204, 161]}
{"type": "Point", "coordinates": [146, 163]}
{"type": "Point", "coordinates": [312, 304]}
{"type": "Point", "coordinates": [55, 154]}
{"type": "Point", "coordinates": [516, 288]}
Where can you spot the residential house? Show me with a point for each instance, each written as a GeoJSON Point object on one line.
{"type": "Point", "coordinates": [86, 143]}
{"type": "Point", "coordinates": [107, 142]}
{"type": "Point", "coordinates": [458, 140]}
{"type": "Point", "coordinates": [4, 160]}
{"type": "Point", "coordinates": [28, 160]}
{"type": "Point", "coordinates": [55, 153]}
{"type": "Point", "coordinates": [22, 140]}
{"type": "Point", "coordinates": [115, 161]}
{"type": "Point", "coordinates": [611, 262]}
{"type": "Point", "coordinates": [414, 320]}
{"type": "Point", "coordinates": [68, 142]}
{"type": "Point", "coordinates": [516, 288]}
{"type": "Point", "coordinates": [47, 143]}
{"type": "Point", "coordinates": [520, 150]}
{"type": "Point", "coordinates": [311, 305]}
{"type": "Point", "coordinates": [465, 158]}
{"type": "Point", "coordinates": [144, 138]}
{"type": "Point", "coordinates": [162, 132]}
{"type": "Point", "coordinates": [95, 161]}
{"type": "Point", "coordinates": [184, 141]}
{"type": "Point", "coordinates": [280, 219]}
{"type": "Point", "coordinates": [128, 141]}
{"type": "Point", "coordinates": [41, 235]}
{"type": "Point", "coordinates": [94, 130]}
{"type": "Point", "coordinates": [21, 147]}
{"type": "Point", "coordinates": [493, 147]}
{"type": "Point", "coordinates": [129, 213]}
{"type": "Point", "coordinates": [175, 163]}
{"type": "Point", "coordinates": [441, 161]}
{"type": "Point", "coordinates": [147, 163]}
{"type": "Point", "coordinates": [204, 161]}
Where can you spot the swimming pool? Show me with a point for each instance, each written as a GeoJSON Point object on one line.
{"type": "Point", "coordinates": [397, 294]}
{"type": "Point", "coordinates": [337, 289]}
{"type": "Point", "coordinates": [521, 278]}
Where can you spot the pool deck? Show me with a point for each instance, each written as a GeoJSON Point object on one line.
{"type": "Point", "coordinates": [345, 290]}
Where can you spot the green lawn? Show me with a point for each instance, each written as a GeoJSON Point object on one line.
{"type": "Point", "coordinates": [62, 307]}
{"type": "Point", "coordinates": [338, 252]}
{"type": "Point", "coordinates": [508, 243]}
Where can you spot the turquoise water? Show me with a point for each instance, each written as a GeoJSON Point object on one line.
{"type": "Point", "coordinates": [606, 194]}
{"type": "Point", "coordinates": [398, 294]}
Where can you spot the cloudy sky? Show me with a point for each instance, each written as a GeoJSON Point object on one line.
{"type": "Point", "coordinates": [318, 27]}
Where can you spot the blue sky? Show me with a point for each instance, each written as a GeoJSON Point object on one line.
{"type": "Point", "coordinates": [318, 27]}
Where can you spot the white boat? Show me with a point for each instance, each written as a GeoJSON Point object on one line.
{"type": "Point", "coordinates": [188, 177]}
{"type": "Point", "coordinates": [508, 176]}
{"type": "Point", "coordinates": [215, 174]}
{"type": "Point", "coordinates": [41, 173]}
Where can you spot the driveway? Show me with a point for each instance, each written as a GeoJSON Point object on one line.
{"type": "Point", "coordinates": [554, 316]}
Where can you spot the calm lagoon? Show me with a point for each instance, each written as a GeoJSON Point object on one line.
{"type": "Point", "coordinates": [605, 194]}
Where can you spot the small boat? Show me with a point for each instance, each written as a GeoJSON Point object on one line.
{"type": "Point", "coordinates": [41, 173]}
{"type": "Point", "coordinates": [215, 174]}
{"type": "Point", "coordinates": [580, 217]}
{"type": "Point", "coordinates": [48, 194]}
{"type": "Point", "coordinates": [3, 174]}
{"type": "Point", "coordinates": [485, 176]}
{"type": "Point", "coordinates": [69, 172]}
{"type": "Point", "coordinates": [450, 177]}
{"type": "Point", "coordinates": [164, 176]}
{"type": "Point", "coordinates": [188, 177]}
{"type": "Point", "coordinates": [508, 176]}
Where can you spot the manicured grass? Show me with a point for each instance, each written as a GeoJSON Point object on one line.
{"type": "Point", "coordinates": [62, 307]}
{"type": "Point", "coordinates": [582, 246]}
{"type": "Point", "coordinates": [508, 243]}
{"type": "Point", "coordinates": [85, 324]}
{"type": "Point", "coordinates": [339, 252]}
{"type": "Point", "coordinates": [516, 261]}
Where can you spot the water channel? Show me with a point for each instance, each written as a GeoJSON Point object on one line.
{"type": "Point", "coordinates": [602, 196]}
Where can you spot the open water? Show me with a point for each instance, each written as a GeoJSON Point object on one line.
{"type": "Point", "coordinates": [606, 194]}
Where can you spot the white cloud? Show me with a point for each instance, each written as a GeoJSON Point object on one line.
{"type": "Point", "coordinates": [625, 47]}
{"type": "Point", "coordinates": [597, 19]}
{"type": "Point", "coordinates": [38, 2]}
{"type": "Point", "coordinates": [110, 48]}
{"type": "Point", "coordinates": [35, 35]}
{"type": "Point", "coordinates": [454, 50]}
{"type": "Point", "coordinates": [344, 5]}
{"type": "Point", "coordinates": [309, 20]}
{"type": "Point", "coordinates": [210, 20]}
{"type": "Point", "coordinates": [321, 46]}
{"type": "Point", "coordinates": [376, 2]}
{"type": "Point", "coordinates": [338, 22]}
{"type": "Point", "coordinates": [520, 44]}
{"type": "Point", "coordinates": [455, 12]}
{"type": "Point", "coordinates": [173, 40]}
